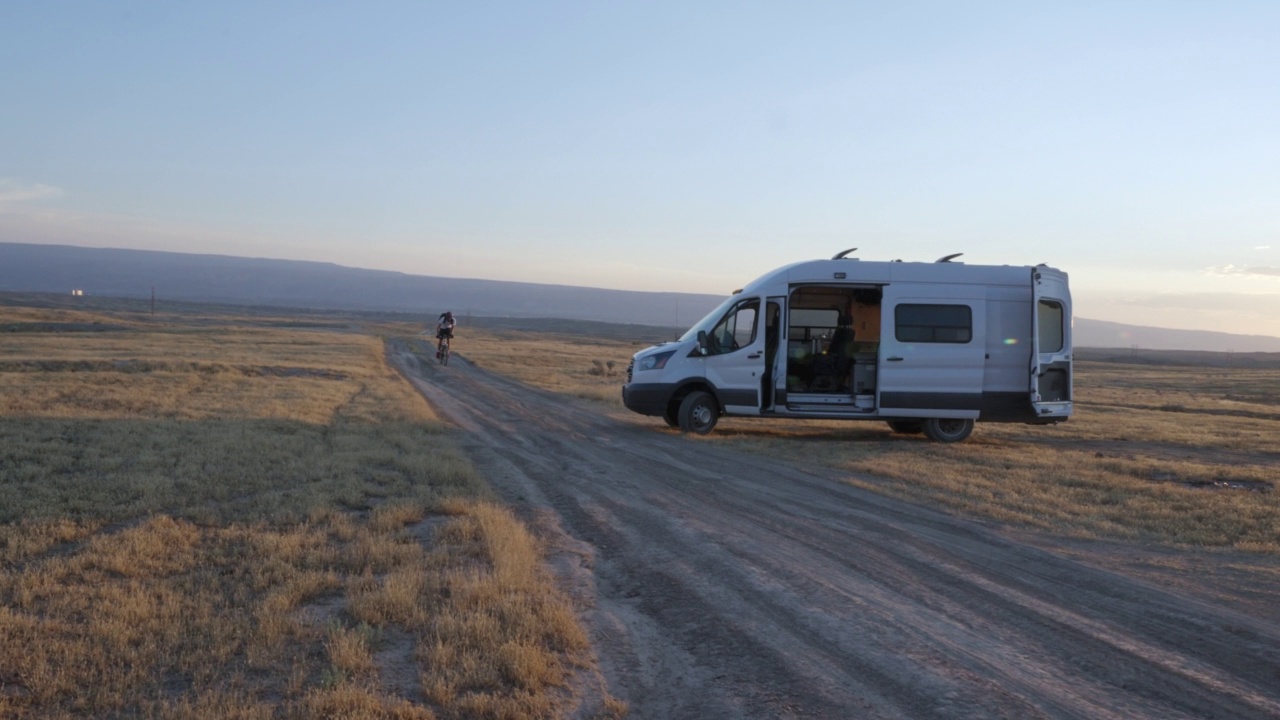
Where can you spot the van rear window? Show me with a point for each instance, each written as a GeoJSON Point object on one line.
{"type": "Point", "coordinates": [933, 323]}
{"type": "Point", "coordinates": [1050, 322]}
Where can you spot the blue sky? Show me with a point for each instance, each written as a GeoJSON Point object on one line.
{"type": "Point", "coordinates": [665, 146]}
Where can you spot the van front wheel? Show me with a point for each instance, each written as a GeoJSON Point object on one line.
{"type": "Point", "coordinates": [947, 430]}
{"type": "Point", "coordinates": [698, 413]}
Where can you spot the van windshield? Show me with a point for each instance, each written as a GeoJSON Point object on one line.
{"type": "Point", "coordinates": [713, 317]}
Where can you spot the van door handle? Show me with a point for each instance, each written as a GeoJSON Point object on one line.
{"type": "Point", "coordinates": [753, 356]}
{"type": "Point", "coordinates": [894, 359]}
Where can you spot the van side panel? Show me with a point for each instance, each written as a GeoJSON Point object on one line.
{"type": "Point", "coordinates": [931, 376]}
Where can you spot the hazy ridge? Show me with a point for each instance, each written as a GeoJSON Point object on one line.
{"type": "Point", "coordinates": [303, 284]}
{"type": "Point", "coordinates": [120, 273]}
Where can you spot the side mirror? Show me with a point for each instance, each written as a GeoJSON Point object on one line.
{"type": "Point", "coordinates": [702, 343]}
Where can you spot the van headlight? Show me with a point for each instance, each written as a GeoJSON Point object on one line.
{"type": "Point", "coordinates": [656, 361]}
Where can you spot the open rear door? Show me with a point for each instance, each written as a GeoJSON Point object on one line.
{"type": "Point", "coordinates": [1050, 344]}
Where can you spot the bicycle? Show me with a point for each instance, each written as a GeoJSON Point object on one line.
{"type": "Point", "coordinates": [442, 350]}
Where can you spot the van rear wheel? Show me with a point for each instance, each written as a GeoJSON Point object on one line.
{"type": "Point", "coordinates": [947, 430]}
{"type": "Point", "coordinates": [698, 413]}
{"type": "Point", "coordinates": [906, 427]}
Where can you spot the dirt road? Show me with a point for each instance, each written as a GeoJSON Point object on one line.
{"type": "Point", "coordinates": [718, 585]}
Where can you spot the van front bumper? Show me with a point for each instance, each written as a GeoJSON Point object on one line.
{"type": "Point", "coordinates": [647, 398]}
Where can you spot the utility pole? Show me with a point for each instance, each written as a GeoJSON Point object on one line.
{"type": "Point", "coordinates": [153, 301]}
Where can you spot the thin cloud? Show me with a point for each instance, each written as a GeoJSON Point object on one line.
{"type": "Point", "coordinates": [1263, 247]}
{"type": "Point", "coordinates": [1246, 270]}
{"type": "Point", "coordinates": [12, 191]}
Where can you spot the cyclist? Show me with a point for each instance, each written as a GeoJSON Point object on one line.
{"type": "Point", "coordinates": [444, 329]}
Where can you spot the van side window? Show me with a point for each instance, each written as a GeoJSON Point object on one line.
{"type": "Point", "coordinates": [933, 323]}
{"type": "Point", "coordinates": [736, 330]}
{"type": "Point", "coordinates": [1050, 326]}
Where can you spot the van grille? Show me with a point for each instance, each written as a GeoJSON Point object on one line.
{"type": "Point", "coordinates": [630, 366]}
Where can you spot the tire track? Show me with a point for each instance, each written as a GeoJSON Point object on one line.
{"type": "Point", "coordinates": [728, 586]}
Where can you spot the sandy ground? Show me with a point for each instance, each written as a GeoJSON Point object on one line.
{"type": "Point", "coordinates": [720, 585]}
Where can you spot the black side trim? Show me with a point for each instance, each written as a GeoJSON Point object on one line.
{"type": "Point", "coordinates": [738, 397]}
{"type": "Point", "coordinates": [991, 406]}
{"type": "Point", "coordinates": [931, 401]}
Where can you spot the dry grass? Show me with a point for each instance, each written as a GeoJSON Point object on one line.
{"type": "Point", "coordinates": [216, 517]}
{"type": "Point", "coordinates": [1181, 455]}
{"type": "Point", "coordinates": [564, 363]}
{"type": "Point", "coordinates": [1167, 455]}
{"type": "Point", "coordinates": [1200, 473]}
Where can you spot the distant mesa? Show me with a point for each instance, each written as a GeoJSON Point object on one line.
{"type": "Point", "coordinates": [1103, 334]}
{"type": "Point", "coordinates": [107, 272]}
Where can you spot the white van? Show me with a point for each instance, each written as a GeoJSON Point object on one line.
{"type": "Point", "coordinates": [927, 347]}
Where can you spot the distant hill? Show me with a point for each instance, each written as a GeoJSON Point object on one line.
{"type": "Point", "coordinates": [1103, 334]}
{"type": "Point", "coordinates": [1194, 358]}
{"type": "Point", "coordinates": [300, 284]}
